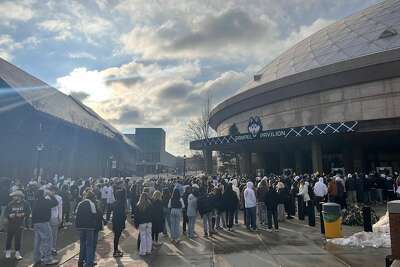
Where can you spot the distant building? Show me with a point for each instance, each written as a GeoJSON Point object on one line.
{"type": "Point", "coordinates": [45, 132]}
{"type": "Point", "coordinates": [152, 158]}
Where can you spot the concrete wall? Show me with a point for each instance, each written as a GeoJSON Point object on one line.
{"type": "Point", "coordinates": [374, 100]}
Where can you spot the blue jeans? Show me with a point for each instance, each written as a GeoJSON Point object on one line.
{"type": "Point", "coordinates": [191, 225]}
{"type": "Point", "coordinates": [207, 223]}
{"type": "Point", "coordinates": [43, 238]}
{"type": "Point", "coordinates": [87, 244]}
{"type": "Point", "coordinates": [251, 218]}
{"type": "Point", "coordinates": [95, 239]}
{"type": "Point", "coordinates": [175, 223]}
{"type": "Point", "coordinates": [167, 221]}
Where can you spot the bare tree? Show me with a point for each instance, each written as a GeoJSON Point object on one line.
{"type": "Point", "coordinates": [199, 128]}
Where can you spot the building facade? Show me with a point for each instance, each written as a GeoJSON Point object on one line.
{"type": "Point", "coordinates": [152, 158]}
{"type": "Point", "coordinates": [46, 133]}
{"type": "Point", "coordinates": [329, 102]}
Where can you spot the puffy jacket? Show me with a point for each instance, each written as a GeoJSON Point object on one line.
{"type": "Point", "coordinates": [249, 196]}
{"type": "Point", "coordinates": [86, 215]}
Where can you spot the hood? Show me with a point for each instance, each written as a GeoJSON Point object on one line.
{"type": "Point", "coordinates": [234, 182]}
{"type": "Point", "coordinates": [321, 180]}
{"type": "Point", "coordinates": [250, 185]}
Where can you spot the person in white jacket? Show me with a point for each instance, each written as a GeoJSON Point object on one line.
{"type": "Point", "coordinates": [250, 203]}
{"type": "Point", "coordinates": [320, 191]}
{"type": "Point", "coordinates": [55, 219]}
{"type": "Point", "coordinates": [236, 189]}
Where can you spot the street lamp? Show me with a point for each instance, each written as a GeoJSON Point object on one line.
{"type": "Point", "coordinates": [39, 149]}
{"type": "Point", "coordinates": [184, 165]}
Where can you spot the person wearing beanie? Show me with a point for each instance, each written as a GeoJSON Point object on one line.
{"type": "Point", "coordinates": [16, 212]}
{"type": "Point", "coordinates": [86, 222]}
{"type": "Point", "coordinates": [41, 214]}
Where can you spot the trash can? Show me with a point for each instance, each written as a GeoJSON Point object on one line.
{"type": "Point", "coordinates": [332, 220]}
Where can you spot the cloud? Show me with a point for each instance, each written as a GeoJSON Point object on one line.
{"type": "Point", "coordinates": [90, 82]}
{"type": "Point", "coordinates": [128, 115]}
{"type": "Point", "coordinates": [16, 11]}
{"type": "Point", "coordinates": [8, 46]}
{"type": "Point", "coordinates": [231, 33]}
{"type": "Point", "coordinates": [175, 91]}
{"type": "Point", "coordinates": [81, 96]}
{"type": "Point", "coordinates": [62, 28]}
{"type": "Point", "coordinates": [80, 55]}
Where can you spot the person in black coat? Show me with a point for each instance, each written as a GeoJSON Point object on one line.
{"type": "Point", "coordinates": [205, 205]}
{"type": "Point", "coordinates": [118, 219]}
{"type": "Point", "coordinates": [157, 217]}
{"type": "Point", "coordinates": [271, 202]}
{"type": "Point", "coordinates": [230, 202]}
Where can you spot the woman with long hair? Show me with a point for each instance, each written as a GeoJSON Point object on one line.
{"type": "Point", "coordinates": [118, 219]}
{"type": "Point", "coordinates": [166, 195]}
{"type": "Point", "coordinates": [176, 205]}
{"type": "Point", "coordinates": [143, 218]}
{"type": "Point", "coordinates": [157, 221]}
{"type": "Point", "coordinates": [230, 202]}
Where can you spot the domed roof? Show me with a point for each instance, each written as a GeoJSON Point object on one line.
{"type": "Point", "coordinates": [370, 31]}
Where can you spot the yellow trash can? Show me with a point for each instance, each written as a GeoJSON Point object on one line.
{"type": "Point", "coordinates": [332, 215]}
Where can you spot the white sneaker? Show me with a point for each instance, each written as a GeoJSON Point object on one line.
{"type": "Point", "coordinates": [18, 256]}
{"type": "Point", "coordinates": [8, 254]}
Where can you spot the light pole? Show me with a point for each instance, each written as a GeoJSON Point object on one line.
{"type": "Point", "coordinates": [184, 166]}
{"type": "Point", "coordinates": [39, 149]}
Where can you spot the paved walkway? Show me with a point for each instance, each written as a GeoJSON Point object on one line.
{"type": "Point", "coordinates": [295, 245]}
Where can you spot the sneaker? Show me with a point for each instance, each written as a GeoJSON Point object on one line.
{"type": "Point", "coordinates": [205, 235]}
{"type": "Point", "coordinates": [8, 254]}
{"type": "Point", "coordinates": [18, 256]}
{"type": "Point", "coordinates": [52, 262]}
{"type": "Point", "coordinates": [54, 252]}
{"type": "Point", "coordinates": [276, 230]}
{"type": "Point", "coordinates": [269, 230]}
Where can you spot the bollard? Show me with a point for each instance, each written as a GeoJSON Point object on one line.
{"type": "Point", "coordinates": [394, 222]}
{"type": "Point", "coordinates": [311, 213]}
{"type": "Point", "coordinates": [321, 218]}
{"type": "Point", "coordinates": [367, 219]}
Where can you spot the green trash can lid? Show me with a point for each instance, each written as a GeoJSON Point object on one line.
{"type": "Point", "coordinates": [331, 207]}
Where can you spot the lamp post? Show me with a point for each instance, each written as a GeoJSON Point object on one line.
{"type": "Point", "coordinates": [39, 149]}
{"type": "Point", "coordinates": [111, 165]}
{"type": "Point", "coordinates": [184, 165]}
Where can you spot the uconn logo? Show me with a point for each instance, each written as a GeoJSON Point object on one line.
{"type": "Point", "coordinates": [255, 126]}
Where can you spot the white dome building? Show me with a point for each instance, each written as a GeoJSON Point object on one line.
{"type": "Point", "coordinates": [330, 101]}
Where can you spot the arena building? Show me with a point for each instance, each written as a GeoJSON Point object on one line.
{"type": "Point", "coordinates": [46, 133]}
{"type": "Point", "coordinates": [332, 101]}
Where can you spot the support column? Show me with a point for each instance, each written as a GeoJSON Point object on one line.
{"type": "Point", "coordinates": [261, 162]}
{"type": "Point", "coordinates": [347, 160]}
{"type": "Point", "coordinates": [358, 160]}
{"type": "Point", "coordinates": [283, 160]}
{"type": "Point", "coordinates": [245, 163]}
{"type": "Point", "coordinates": [208, 164]}
{"type": "Point", "coordinates": [316, 156]}
{"type": "Point", "coordinates": [298, 161]}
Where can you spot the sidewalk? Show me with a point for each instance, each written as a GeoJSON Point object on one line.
{"type": "Point", "coordinates": [296, 244]}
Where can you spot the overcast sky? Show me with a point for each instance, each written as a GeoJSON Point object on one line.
{"type": "Point", "coordinates": [144, 63]}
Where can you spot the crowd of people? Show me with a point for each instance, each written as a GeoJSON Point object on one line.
{"type": "Point", "coordinates": [171, 207]}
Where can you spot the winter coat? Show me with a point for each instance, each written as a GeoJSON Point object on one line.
{"type": "Point", "coordinates": [249, 196]}
{"type": "Point", "coordinates": [157, 216]}
{"type": "Point", "coordinates": [41, 211]}
{"type": "Point", "coordinates": [142, 215]}
{"type": "Point", "coordinates": [271, 199]}
{"type": "Point", "coordinates": [16, 212]}
{"type": "Point", "coordinates": [230, 200]}
{"type": "Point", "coordinates": [205, 204]}
{"type": "Point", "coordinates": [86, 215]}
{"type": "Point", "coordinates": [119, 215]}
{"type": "Point", "coordinates": [320, 189]}
{"type": "Point", "coordinates": [192, 206]}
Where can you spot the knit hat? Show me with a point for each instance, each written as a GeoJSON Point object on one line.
{"type": "Point", "coordinates": [17, 193]}
{"type": "Point", "coordinates": [195, 186]}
